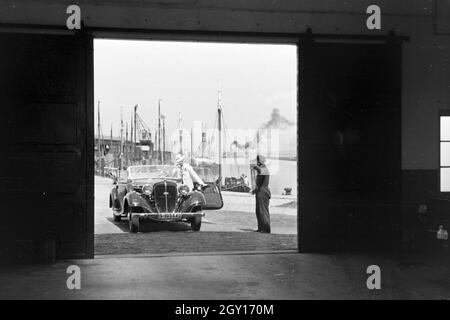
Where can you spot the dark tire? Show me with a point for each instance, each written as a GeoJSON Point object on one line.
{"type": "Point", "coordinates": [196, 223]}
{"type": "Point", "coordinates": [115, 208]}
{"type": "Point", "coordinates": [133, 224]}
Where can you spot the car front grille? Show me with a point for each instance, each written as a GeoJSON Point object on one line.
{"type": "Point", "coordinates": [165, 196]}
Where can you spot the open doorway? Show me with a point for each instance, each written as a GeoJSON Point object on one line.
{"type": "Point", "coordinates": [349, 139]}
{"type": "Point", "coordinates": [211, 106]}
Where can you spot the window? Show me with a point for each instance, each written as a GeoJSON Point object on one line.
{"type": "Point", "coordinates": [445, 154]}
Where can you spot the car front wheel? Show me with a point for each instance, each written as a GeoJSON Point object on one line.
{"type": "Point", "coordinates": [133, 224]}
{"type": "Point", "coordinates": [196, 223]}
{"type": "Point", "coordinates": [115, 209]}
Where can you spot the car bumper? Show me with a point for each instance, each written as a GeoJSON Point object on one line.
{"type": "Point", "coordinates": [168, 216]}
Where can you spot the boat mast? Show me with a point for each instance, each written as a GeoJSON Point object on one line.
{"type": "Point", "coordinates": [219, 114]}
{"type": "Point", "coordinates": [98, 132]}
{"type": "Point", "coordinates": [135, 132]}
{"type": "Point", "coordinates": [159, 130]}
{"type": "Point", "coordinates": [163, 138]}
{"type": "Point", "coordinates": [192, 145]}
{"type": "Point", "coordinates": [111, 136]}
{"type": "Point", "coordinates": [111, 143]}
{"type": "Point", "coordinates": [180, 123]}
{"type": "Point", "coordinates": [156, 145]}
{"type": "Point", "coordinates": [203, 140]}
{"type": "Point", "coordinates": [121, 138]}
{"type": "Point", "coordinates": [131, 140]}
{"type": "Point", "coordinates": [126, 145]}
{"type": "Point", "coordinates": [99, 142]}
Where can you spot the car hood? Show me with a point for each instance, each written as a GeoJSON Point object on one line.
{"type": "Point", "coordinates": [152, 181]}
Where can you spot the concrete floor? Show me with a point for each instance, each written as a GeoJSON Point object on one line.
{"type": "Point", "coordinates": [255, 275]}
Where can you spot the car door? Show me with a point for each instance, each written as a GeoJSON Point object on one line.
{"type": "Point", "coordinates": [213, 196]}
{"type": "Point", "coordinates": [212, 193]}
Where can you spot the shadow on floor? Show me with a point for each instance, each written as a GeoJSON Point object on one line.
{"type": "Point", "coordinates": [189, 241]}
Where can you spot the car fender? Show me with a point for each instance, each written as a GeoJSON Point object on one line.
{"type": "Point", "coordinates": [194, 199]}
{"type": "Point", "coordinates": [113, 198]}
{"type": "Point", "coordinates": [135, 200]}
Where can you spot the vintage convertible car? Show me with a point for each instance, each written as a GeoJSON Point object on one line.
{"type": "Point", "coordinates": [155, 193]}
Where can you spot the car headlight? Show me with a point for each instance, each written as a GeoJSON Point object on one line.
{"type": "Point", "coordinates": [183, 189]}
{"type": "Point", "coordinates": [147, 189]}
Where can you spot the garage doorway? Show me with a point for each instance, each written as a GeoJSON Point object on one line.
{"type": "Point", "coordinates": [342, 85]}
{"type": "Point", "coordinates": [157, 100]}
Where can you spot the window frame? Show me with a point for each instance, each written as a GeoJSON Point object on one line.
{"type": "Point", "coordinates": [442, 113]}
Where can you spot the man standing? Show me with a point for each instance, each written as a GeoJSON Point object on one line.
{"type": "Point", "coordinates": [187, 173]}
{"type": "Point", "coordinates": [262, 194]}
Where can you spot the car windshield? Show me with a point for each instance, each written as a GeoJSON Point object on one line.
{"type": "Point", "coordinates": [208, 174]}
{"type": "Point", "coordinates": [151, 172]}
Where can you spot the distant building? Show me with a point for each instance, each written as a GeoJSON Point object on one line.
{"type": "Point", "coordinates": [111, 153]}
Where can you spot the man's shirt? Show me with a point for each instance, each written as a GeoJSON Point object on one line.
{"type": "Point", "coordinates": [188, 175]}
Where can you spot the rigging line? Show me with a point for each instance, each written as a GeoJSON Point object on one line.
{"type": "Point", "coordinates": [212, 138]}
{"type": "Point", "coordinates": [197, 151]}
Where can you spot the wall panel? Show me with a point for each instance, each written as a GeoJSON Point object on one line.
{"type": "Point", "coordinates": [43, 158]}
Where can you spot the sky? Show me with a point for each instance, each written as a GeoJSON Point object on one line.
{"type": "Point", "coordinates": [254, 79]}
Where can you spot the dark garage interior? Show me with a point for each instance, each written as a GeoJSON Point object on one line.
{"type": "Point", "coordinates": [369, 107]}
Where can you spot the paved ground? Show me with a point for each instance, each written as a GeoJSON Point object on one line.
{"type": "Point", "coordinates": [245, 275]}
{"type": "Point", "coordinates": [228, 229]}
